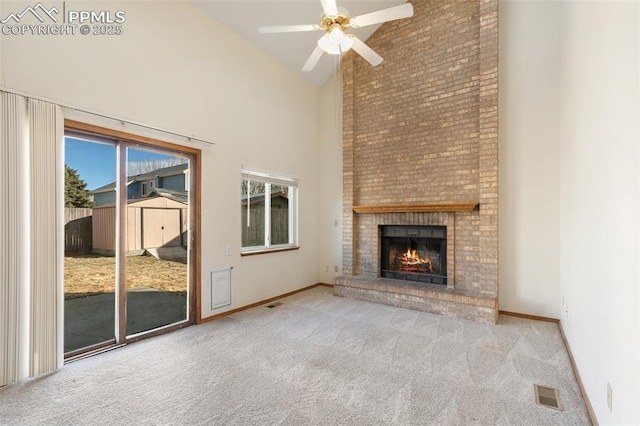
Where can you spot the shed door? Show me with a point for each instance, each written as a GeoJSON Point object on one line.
{"type": "Point", "coordinates": [161, 228]}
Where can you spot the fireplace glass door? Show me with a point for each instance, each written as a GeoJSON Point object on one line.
{"type": "Point", "coordinates": [414, 253]}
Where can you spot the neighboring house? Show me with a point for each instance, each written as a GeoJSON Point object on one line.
{"type": "Point", "coordinates": [173, 178]}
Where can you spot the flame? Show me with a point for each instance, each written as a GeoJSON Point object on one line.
{"type": "Point", "coordinates": [412, 258]}
{"type": "Point", "coordinates": [412, 255]}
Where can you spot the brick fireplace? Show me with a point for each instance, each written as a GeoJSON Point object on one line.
{"type": "Point", "coordinates": [420, 150]}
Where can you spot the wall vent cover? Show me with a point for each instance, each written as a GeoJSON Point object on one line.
{"type": "Point", "coordinates": [274, 305]}
{"type": "Point", "coordinates": [548, 397]}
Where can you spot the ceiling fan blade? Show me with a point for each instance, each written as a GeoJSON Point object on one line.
{"type": "Point", "coordinates": [313, 60]}
{"type": "Point", "coordinates": [329, 6]}
{"type": "Point", "coordinates": [365, 51]}
{"type": "Point", "coordinates": [384, 15]}
{"type": "Point", "coordinates": [287, 29]}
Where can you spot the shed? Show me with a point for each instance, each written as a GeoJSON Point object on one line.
{"type": "Point", "coordinates": [157, 221]}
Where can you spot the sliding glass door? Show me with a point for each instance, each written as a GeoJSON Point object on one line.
{"type": "Point", "coordinates": [127, 250]}
{"type": "Point", "coordinates": [89, 262]}
{"type": "Point", "coordinates": [157, 224]}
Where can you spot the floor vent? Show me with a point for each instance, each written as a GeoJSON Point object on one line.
{"type": "Point", "coordinates": [274, 305]}
{"type": "Point", "coordinates": [548, 397]}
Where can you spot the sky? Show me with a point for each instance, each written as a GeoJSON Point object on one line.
{"type": "Point", "coordinates": [96, 162]}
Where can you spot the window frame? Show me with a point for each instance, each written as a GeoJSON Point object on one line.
{"type": "Point", "coordinates": [148, 186]}
{"type": "Point", "coordinates": [92, 132]}
{"type": "Point", "coordinates": [270, 179]}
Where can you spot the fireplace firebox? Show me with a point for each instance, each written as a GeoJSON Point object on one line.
{"type": "Point", "coordinates": [414, 253]}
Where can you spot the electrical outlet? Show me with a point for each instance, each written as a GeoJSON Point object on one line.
{"type": "Point", "coordinates": [566, 311]}
{"type": "Point", "coordinates": [227, 251]}
{"type": "Point", "coordinates": [335, 223]}
{"type": "Point", "coordinates": [335, 268]}
{"type": "Point", "coordinates": [609, 397]}
{"type": "Point", "coordinates": [326, 268]}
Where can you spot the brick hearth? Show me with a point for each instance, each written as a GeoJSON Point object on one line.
{"type": "Point", "coordinates": [432, 298]}
{"type": "Point", "coordinates": [421, 129]}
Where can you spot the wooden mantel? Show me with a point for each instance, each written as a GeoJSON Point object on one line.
{"type": "Point", "coordinates": [417, 208]}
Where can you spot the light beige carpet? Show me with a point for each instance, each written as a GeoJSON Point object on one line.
{"type": "Point", "coordinates": [316, 359]}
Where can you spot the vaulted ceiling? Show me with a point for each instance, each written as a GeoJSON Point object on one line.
{"type": "Point", "coordinates": [292, 49]}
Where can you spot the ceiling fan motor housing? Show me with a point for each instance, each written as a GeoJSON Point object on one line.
{"type": "Point", "coordinates": [327, 22]}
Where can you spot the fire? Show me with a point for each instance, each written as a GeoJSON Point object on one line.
{"type": "Point", "coordinates": [411, 254]}
{"type": "Point", "coordinates": [411, 259]}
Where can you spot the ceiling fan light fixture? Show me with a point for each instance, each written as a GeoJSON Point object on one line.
{"type": "Point", "coordinates": [328, 46]}
{"type": "Point", "coordinates": [346, 43]}
{"type": "Point", "coordinates": [335, 41]}
{"type": "Point", "coordinates": [336, 35]}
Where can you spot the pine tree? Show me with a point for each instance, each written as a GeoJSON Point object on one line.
{"type": "Point", "coordinates": [76, 193]}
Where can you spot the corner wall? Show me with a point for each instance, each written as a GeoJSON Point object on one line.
{"type": "Point", "coordinates": [330, 181]}
{"type": "Point", "coordinates": [599, 211]}
{"type": "Point", "coordinates": [530, 157]}
{"type": "Point", "coordinates": [569, 175]}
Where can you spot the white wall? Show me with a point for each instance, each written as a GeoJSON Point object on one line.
{"type": "Point", "coordinates": [599, 201]}
{"type": "Point", "coordinates": [529, 158]}
{"type": "Point", "coordinates": [1, 39]}
{"type": "Point", "coordinates": [569, 172]}
{"type": "Point", "coordinates": [177, 69]}
{"type": "Point", "coordinates": [330, 181]}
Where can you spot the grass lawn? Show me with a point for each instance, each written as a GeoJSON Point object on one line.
{"type": "Point", "coordinates": [91, 274]}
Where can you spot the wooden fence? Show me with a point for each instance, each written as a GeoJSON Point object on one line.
{"type": "Point", "coordinates": [78, 224]}
{"type": "Point", "coordinates": [78, 229]}
{"type": "Point", "coordinates": [253, 235]}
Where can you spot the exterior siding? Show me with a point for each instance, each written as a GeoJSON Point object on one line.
{"type": "Point", "coordinates": [175, 182]}
{"type": "Point", "coordinates": [104, 198]}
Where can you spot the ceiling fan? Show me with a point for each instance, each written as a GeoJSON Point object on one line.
{"type": "Point", "coordinates": [335, 23]}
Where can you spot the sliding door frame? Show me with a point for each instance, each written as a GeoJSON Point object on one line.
{"type": "Point", "coordinates": [126, 140]}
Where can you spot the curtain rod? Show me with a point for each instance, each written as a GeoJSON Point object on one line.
{"type": "Point", "coordinates": [97, 114]}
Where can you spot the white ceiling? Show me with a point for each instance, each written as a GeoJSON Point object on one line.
{"type": "Point", "coordinates": [292, 49]}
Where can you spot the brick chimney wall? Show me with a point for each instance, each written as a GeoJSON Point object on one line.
{"type": "Point", "coordinates": [422, 128]}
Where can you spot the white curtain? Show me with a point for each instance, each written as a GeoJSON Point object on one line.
{"type": "Point", "coordinates": [31, 237]}
{"type": "Point", "coordinates": [14, 271]}
{"type": "Point", "coordinates": [46, 131]}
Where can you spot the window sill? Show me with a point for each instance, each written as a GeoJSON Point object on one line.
{"type": "Point", "coordinates": [269, 250]}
